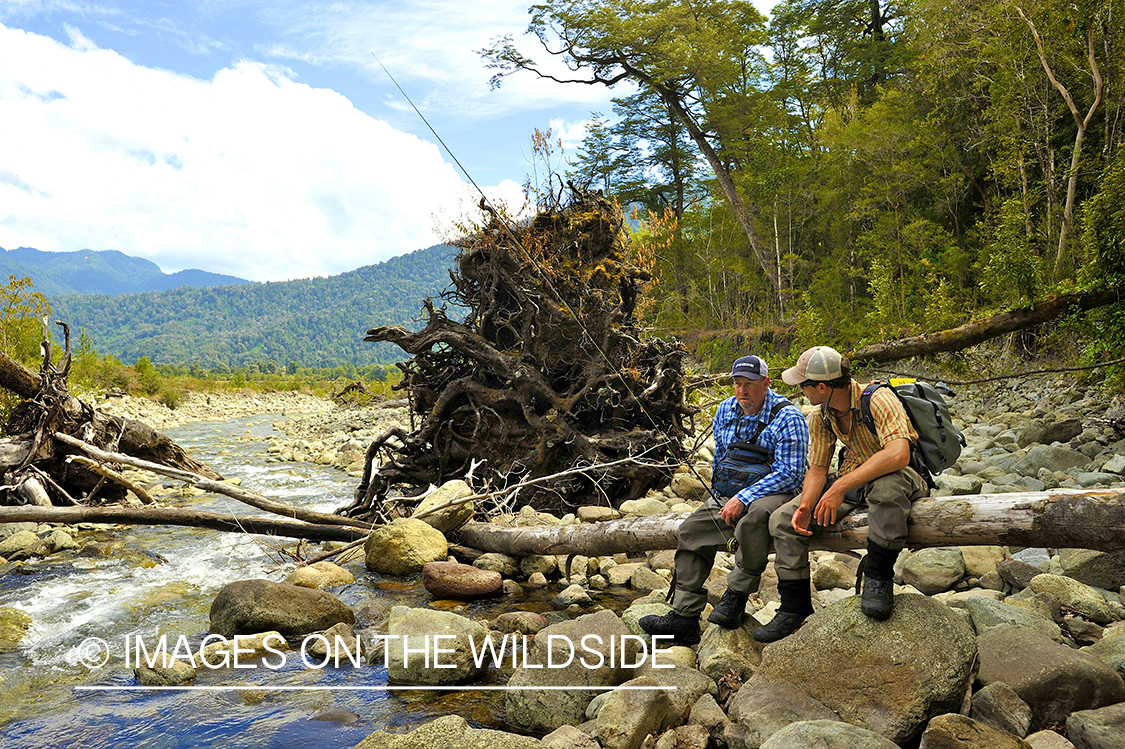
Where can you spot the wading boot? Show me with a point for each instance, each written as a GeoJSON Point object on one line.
{"type": "Point", "coordinates": [796, 606]}
{"type": "Point", "coordinates": [684, 629]}
{"type": "Point", "coordinates": [878, 598]}
{"type": "Point", "coordinates": [728, 613]}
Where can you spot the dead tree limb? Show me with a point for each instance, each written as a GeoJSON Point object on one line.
{"type": "Point", "coordinates": [216, 487]}
{"type": "Point", "coordinates": [1081, 519]}
{"type": "Point", "coordinates": [182, 517]}
{"type": "Point", "coordinates": [977, 331]}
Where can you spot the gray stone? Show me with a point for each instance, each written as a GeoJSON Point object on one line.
{"type": "Point", "coordinates": [595, 514]}
{"type": "Point", "coordinates": [626, 717]}
{"type": "Point", "coordinates": [644, 580]}
{"type": "Point", "coordinates": [250, 606]}
{"type": "Point", "coordinates": [1110, 650]}
{"type": "Point", "coordinates": [764, 709]}
{"type": "Point", "coordinates": [1048, 740]}
{"type": "Point", "coordinates": [689, 488]}
{"type": "Point", "coordinates": [891, 677]}
{"type": "Point", "coordinates": [403, 547]}
{"type": "Point", "coordinates": [988, 614]}
{"type": "Point", "coordinates": [933, 570]}
{"type": "Point", "coordinates": [707, 713]}
{"type": "Point", "coordinates": [573, 594]}
{"type": "Point", "coordinates": [544, 564]}
{"type": "Point", "coordinates": [1017, 573]}
{"type": "Point", "coordinates": [547, 709]}
{"type": "Point", "coordinates": [1086, 479]}
{"type": "Point", "coordinates": [1116, 464]}
{"type": "Point", "coordinates": [643, 507]}
{"type": "Point", "coordinates": [831, 573]}
{"type": "Point", "coordinates": [1103, 728]}
{"type": "Point", "coordinates": [621, 574]}
{"type": "Point", "coordinates": [448, 732]}
{"type": "Point", "coordinates": [569, 737]}
{"type": "Point", "coordinates": [448, 519]}
{"type": "Point", "coordinates": [958, 485]}
{"type": "Point", "coordinates": [519, 622]}
{"type": "Point", "coordinates": [1051, 458]}
{"type": "Point", "coordinates": [445, 661]}
{"type": "Point", "coordinates": [954, 731]}
{"type": "Point", "coordinates": [1099, 569]}
{"type": "Point", "coordinates": [1052, 679]}
{"type": "Point", "coordinates": [1048, 432]}
{"type": "Point", "coordinates": [724, 650]}
{"type": "Point", "coordinates": [999, 706]}
{"type": "Point", "coordinates": [507, 566]}
{"type": "Point", "coordinates": [826, 734]}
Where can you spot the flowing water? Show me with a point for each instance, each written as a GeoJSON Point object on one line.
{"type": "Point", "coordinates": [144, 582]}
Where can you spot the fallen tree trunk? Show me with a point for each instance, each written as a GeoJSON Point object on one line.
{"type": "Point", "coordinates": [132, 437]}
{"type": "Point", "coordinates": [177, 516]}
{"type": "Point", "coordinates": [1080, 519]}
{"type": "Point", "coordinates": [977, 331]}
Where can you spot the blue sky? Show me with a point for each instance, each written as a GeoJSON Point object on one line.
{"type": "Point", "coordinates": [261, 138]}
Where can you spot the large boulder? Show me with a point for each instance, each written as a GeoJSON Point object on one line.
{"type": "Point", "coordinates": [981, 560]}
{"type": "Point", "coordinates": [999, 706]}
{"type": "Point", "coordinates": [1110, 649]}
{"type": "Point", "coordinates": [1052, 679]}
{"type": "Point", "coordinates": [415, 655]}
{"type": "Point", "coordinates": [250, 606]}
{"type": "Point", "coordinates": [891, 677]}
{"type": "Point", "coordinates": [403, 547]}
{"type": "Point", "coordinates": [627, 716]}
{"type": "Point", "coordinates": [1051, 458]}
{"type": "Point", "coordinates": [572, 653]}
{"type": "Point", "coordinates": [448, 519]}
{"type": "Point", "coordinates": [988, 614]}
{"type": "Point", "coordinates": [1046, 432]}
{"type": "Point", "coordinates": [1084, 599]}
{"type": "Point", "coordinates": [764, 709]}
{"type": "Point", "coordinates": [1098, 569]}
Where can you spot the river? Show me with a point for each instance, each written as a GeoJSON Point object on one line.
{"type": "Point", "coordinates": [144, 582]}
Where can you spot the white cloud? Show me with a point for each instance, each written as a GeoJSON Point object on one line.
{"type": "Point", "coordinates": [250, 173]}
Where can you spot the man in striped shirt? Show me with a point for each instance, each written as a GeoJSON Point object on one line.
{"type": "Point", "coordinates": [742, 515]}
{"type": "Point", "coordinates": [876, 466]}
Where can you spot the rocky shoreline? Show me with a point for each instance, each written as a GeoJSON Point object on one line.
{"type": "Point", "coordinates": [988, 646]}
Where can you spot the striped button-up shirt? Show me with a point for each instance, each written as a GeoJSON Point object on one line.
{"type": "Point", "coordinates": [891, 423]}
{"type": "Point", "coordinates": [787, 436]}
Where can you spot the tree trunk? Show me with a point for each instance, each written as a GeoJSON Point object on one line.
{"type": "Point", "coordinates": [975, 332]}
{"type": "Point", "coordinates": [133, 437]}
{"type": "Point", "coordinates": [177, 516]}
{"type": "Point", "coordinates": [1059, 519]}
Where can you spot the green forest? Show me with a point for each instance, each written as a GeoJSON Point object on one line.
{"type": "Point", "coordinates": [851, 170]}
{"type": "Point", "coordinates": [314, 322]}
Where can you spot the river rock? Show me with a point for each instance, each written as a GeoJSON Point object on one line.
{"type": "Point", "coordinates": [572, 594]}
{"type": "Point", "coordinates": [445, 580]}
{"type": "Point", "coordinates": [826, 734]}
{"type": "Point", "coordinates": [338, 645]}
{"type": "Point", "coordinates": [1047, 739]}
{"type": "Point", "coordinates": [1017, 573]}
{"type": "Point", "coordinates": [249, 606]}
{"type": "Point", "coordinates": [167, 672]}
{"type": "Point", "coordinates": [764, 709]}
{"type": "Point", "coordinates": [1052, 679]}
{"type": "Point", "coordinates": [451, 518]}
{"type": "Point", "coordinates": [689, 488]}
{"type": "Point", "coordinates": [981, 560]}
{"type": "Point", "coordinates": [445, 661]}
{"type": "Point", "coordinates": [950, 485]}
{"type": "Point", "coordinates": [493, 562]}
{"type": "Point", "coordinates": [13, 626]}
{"type": "Point", "coordinates": [890, 677]}
{"type": "Point", "coordinates": [17, 542]}
{"type": "Point", "coordinates": [724, 650]}
{"type": "Point", "coordinates": [596, 514]}
{"type": "Point", "coordinates": [1110, 649]}
{"type": "Point", "coordinates": [643, 507]}
{"type": "Point", "coordinates": [644, 580]}
{"type": "Point", "coordinates": [1087, 601]}
{"type": "Point", "coordinates": [988, 614]}
{"type": "Point", "coordinates": [999, 706]}
{"type": "Point", "coordinates": [449, 732]}
{"type": "Point", "coordinates": [1051, 458]}
{"type": "Point", "coordinates": [626, 717]}
{"type": "Point", "coordinates": [404, 546]}
{"type": "Point", "coordinates": [544, 564]}
{"type": "Point", "coordinates": [1099, 569]}
{"type": "Point", "coordinates": [321, 575]}
{"type": "Point", "coordinates": [519, 622]}
{"type": "Point", "coordinates": [954, 731]}
{"type": "Point", "coordinates": [545, 710]}
{"type": "Point", "coordinates": [1116, 464]}
{"type": "Point", "coordinates": [1103, 728]}
{"type": "Point", "coordinates": [1046, 432]}
{"type": "Point", "coordinates": [933, 570]}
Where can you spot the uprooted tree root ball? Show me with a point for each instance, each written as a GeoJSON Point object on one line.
{"type": "Point", "coordinates": [546, 374]}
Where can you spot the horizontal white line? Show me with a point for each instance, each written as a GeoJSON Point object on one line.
{"type": "Point", "coordinates": [142, 688]}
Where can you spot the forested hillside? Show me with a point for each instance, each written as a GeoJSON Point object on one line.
{"type": "Point", "coordinates": [851, 171]}
{"type": "Point", "coordinates": [316, 322]}
{"type": "Point", "coordinates": [99, 272]}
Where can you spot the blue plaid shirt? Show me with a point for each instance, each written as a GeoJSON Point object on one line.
{"type": "Point", "coordinates": [787, 436]}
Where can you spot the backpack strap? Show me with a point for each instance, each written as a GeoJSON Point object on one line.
{"type": "Point", "coordinates": [865, 404]}
{"type": "Point", "coordinates": [772, 415]}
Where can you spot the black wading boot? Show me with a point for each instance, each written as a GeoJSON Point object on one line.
{"type": "Point", "coordinates": [728, 613]}
{"type": "Point", "coordinates": [684, 629]}
{"type": "Point", "coordinates": [878, 598]}
{"type": "Point", "coordinates": [796, 606]}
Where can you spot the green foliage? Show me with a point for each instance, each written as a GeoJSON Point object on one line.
{"type": "Point", "coordinates": [21, 328]}
{"type": "Point", "coordinates": [1012, 273]}
{"type": "Point", "coordinates": [1104, 223]}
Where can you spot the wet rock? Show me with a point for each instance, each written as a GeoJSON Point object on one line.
{"type": "Point", "coordinates": [168, 672]}
{"type": "Point", "coordinates": [450, 518]}
{"type": "Point", "coordinates": [1102, 728]}
{"type": "Point", "coordinates": [403, 547]}
{"type": "Point", "coordinates": [249, 606]}
{"type": "Point", "coordinates": [954, 731]}
{"type": "Point", "coordinates": [1052, 679]}
{"type": "Point", "coordinates": [507, 566]}
{"type": "Point", "coordinates": [891, 677]}
{"type": "Point", "coordinates": [458, 581]}
{"type": "Point", "coordinates": [13, 626]}
{"type": "Point", "coordinates": [450, 731]}
{"type": "Point", "coordinates": [448, 641]}
{"type": "Point", "coordinates": [321, 576]}
{"type": "Point", "coordinates": [338, 645]}
{"type": "Point", "coordinates": [519, 622]}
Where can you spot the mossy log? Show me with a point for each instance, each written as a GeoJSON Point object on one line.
{"type": "Point", "coordinates": [1080, 519]}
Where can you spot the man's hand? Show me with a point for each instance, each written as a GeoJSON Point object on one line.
{"type": "Point", "coordinates": [732, 511]}
{"type": "Point", "coordinates": [801, 519]}
{"type": "Point", "coordinates": [830, 501]}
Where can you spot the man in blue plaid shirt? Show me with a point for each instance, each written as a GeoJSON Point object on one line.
{"type": "Point", "coordinates": [741, 514]}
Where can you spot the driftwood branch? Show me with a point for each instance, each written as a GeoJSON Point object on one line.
{"type": "Point", "coordinates": [177, 516]}
{"type": "Point", "coordinates": [977, 331]}
{"type": "Point", "coordinates": [216, 487]}
{"type": "Point", "coordinates": [1058, 519]}
{"type": "Point", "coordinates": [114, 476]}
